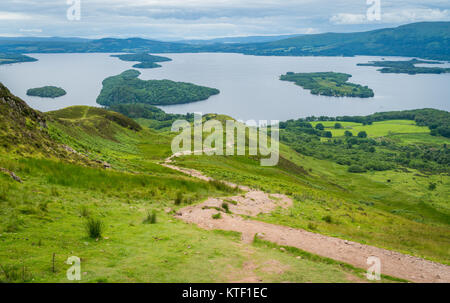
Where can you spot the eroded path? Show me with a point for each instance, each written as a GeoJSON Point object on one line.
{"type": "Point", "coordinates": [254, 202]}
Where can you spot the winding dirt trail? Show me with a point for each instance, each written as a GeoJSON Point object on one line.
{"type": "Point", "coordinates": [254, 202]}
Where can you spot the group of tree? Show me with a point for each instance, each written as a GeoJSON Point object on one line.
{"type": "Point", "coordinates": [328, 84]}
{"type": "Point", "coordinates": [46, 92]}
{"type": "Point", "coordinates": [407, 67]}
{"type": "Point", "coordinates": [361, 153]}
{"type": "Point", "coordinates": [128, 88]}
{"type": "Point", "coordinates": [146, 60]}
{"type": "Point", "coordinates": [438, 121]}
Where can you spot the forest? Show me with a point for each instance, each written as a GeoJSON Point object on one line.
{"type": "Point", "coordinates": [128, 88]}
{"type": "Point", "coordinates": [146, 60]}
{"type": "Point", "coordinates": [407, 67]}
{"type": "Point", "coordinates": [328, 84]}
{"type": "Point", "coordinates": [46, 92]}
{"type": "Point", "coordinates": [15, 58]}
{"type": "Point", "coordinates": [362, 153]}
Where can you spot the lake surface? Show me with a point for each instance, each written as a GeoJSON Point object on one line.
{"type": "Point", "coordinates": [250, 86]}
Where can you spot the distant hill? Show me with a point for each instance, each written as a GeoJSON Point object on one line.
{"type": "Point", "coordinates": [246, 39]}
{"type": "Point", "coordinates": [428, 40]}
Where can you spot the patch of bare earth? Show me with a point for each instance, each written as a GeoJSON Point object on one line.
{"type": "Point", "coordinates": [255, 202]}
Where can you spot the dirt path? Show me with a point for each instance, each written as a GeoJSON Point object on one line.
{"type": "Point", "coordinates": [254, 202]}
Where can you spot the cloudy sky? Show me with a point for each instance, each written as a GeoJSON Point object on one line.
{"type": "Point", "coordinates": [193, 19]}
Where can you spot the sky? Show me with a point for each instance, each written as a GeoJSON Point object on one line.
{"type": "Point", "coordinates": [204, 19]}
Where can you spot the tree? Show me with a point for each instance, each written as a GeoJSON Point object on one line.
{"type": "Point", "coordinates": [338, 126]}
{"type": "Point", "coordinates": [362, 134]}
{"type": "Point", "coordinates": [348, 133]}
{"type": "Point", "coordinates": [328, 134]}
{"type": "Point", "coordinates": [320, 126]}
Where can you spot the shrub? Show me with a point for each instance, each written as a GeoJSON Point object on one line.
{"type": "Point", "coordinates": [14, 274]}
{"type": "Point", "coordinates": [217, 216]}
{"type": "Point", "coordinates": [94, 228]}
{"type": "Point", "coordinates": [151, 218]}
{"type": "Point", "coordinates": [362, 134]}
{"type": "Point", "coordinates": [312, 226]}
{"type": "Point", "coordinates": [328, 219]}
{"type": "Point", "coordinates": [225, 207]}
{"type": "Point", "coordinates": [84, 211]}
{"type": "Point", "coordinates": [356, 169]}
{"type": "Point", "coordinates": [222, 186]}
{"type": "Point", "coordinates": [179, 198]}
{"type": "Point", "coordinates": [432, 186]}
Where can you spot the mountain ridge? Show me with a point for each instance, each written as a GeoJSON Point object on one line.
{"type": "Point", "coordinates": [427, 40]}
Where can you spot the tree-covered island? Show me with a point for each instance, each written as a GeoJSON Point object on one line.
{"type": "Point", "coordinates": [15, 58]}
{"type": "Point", "coordinates": [46, 92]}
{"type": "Point", "coordinates": [407, 67]}
{"type": "Point", "coordinates": [328, 84]}
{"type": "Point", "coordinates": [128, 88]}
{"type": "Point", "coordinates": [146, 60]}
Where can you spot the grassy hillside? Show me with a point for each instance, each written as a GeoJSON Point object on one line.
{"type": "Point", "coordinates": [44, 219]}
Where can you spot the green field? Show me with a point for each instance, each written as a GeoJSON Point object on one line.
{"type": "Point", "coordinates": [378, 129]}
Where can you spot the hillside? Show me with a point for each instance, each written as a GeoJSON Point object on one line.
{"type": "Point", "coordinates": [429, 40]}
{"type": "Point", "coordinates": [24, 131]}
{"type": "Point", "coordinates": [139, 199]}
{"type": "Point", "coordinates": [47, 215]}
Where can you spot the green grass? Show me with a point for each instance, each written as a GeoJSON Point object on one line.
{"type": "Point", "coordinates": [401, 215]}
{"type": "Point", "coordinates": [128, 251]}
{"type": "Point", "coordinates": [377, 129]}
{"type": "Point", "coordinates": [48, 213]}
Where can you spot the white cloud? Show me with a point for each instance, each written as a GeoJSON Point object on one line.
{"type": "Point", "coordinates": [415, 15]}
{"type": "Point", "coordinates": [160, 19]}
{"type": "Point", "coordinates": [396, 16]}
{"type": "Point", "coordinates": [348, 19]}
{"type": "Point", "coordinates": [7, 16]}
{"type": "Point", "coordinates": [31, 30]}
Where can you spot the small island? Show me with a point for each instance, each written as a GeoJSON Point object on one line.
{"type": "Point", "coordinates": [146, 60]}
{"type": "Point", "coordinates": [128, 88]}
{"type": "Point", "coordinates": [46, 92]}
{"type": "Point", "coordinates": [15, 58]}
{"type": "Point", "coordinates": [328, 84]}
{"type": "Point", "coordinates": [407, 67]}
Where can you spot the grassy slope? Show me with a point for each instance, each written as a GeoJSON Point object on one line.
{"type": "Point", "coordinates": [390, 209]}
{"type": "Point", "coordinates": [46, 215]}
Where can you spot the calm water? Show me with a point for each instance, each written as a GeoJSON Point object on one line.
{"type": "Point", "coordinates": [249, 85]}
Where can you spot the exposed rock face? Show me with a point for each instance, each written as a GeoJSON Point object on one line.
{"type": "Point", "coordinates": [24, 131]}
{"type": "Point", "coordinates": [13, 175]}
